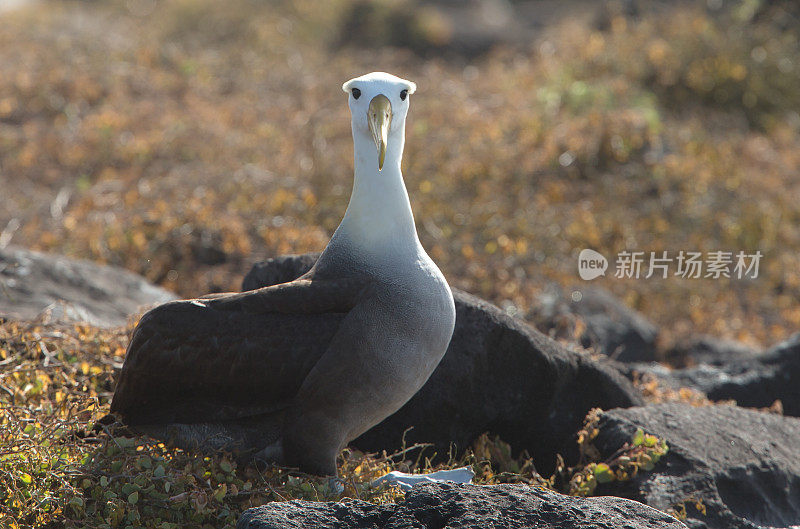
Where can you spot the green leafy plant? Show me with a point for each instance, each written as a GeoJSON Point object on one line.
{"type": "Point", "coordinates": [493, 462]}
{"type": "Point", "coordinates": [639, 454]}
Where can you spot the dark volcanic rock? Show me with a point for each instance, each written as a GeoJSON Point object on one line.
{"type": "Point", "coordinates": [278, 270]}
{"type": "Point", "coordinates": [743, 464]}
{"type": "Point", "coordinates": [614, 329]}
{"type": "Point", "coordinates": [32, 283]}
{"type": "Point", "coordinates": [440, 505]}
{"type": "Point", "coordinates": [498, 375]}
{"type": "Point", "coordinates": [705, 349]}
{"type": "Point", "coordinates": [752, 382]}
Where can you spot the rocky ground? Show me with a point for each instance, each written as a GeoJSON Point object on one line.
{"type": "Point", "coordinates": [467, 506]}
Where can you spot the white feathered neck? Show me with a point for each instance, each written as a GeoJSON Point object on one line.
{"type": "Point", "coordinates": [379, 214]}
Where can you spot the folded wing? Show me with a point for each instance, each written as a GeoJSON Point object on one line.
{"type": "Point", "coordinates": [230, 357]}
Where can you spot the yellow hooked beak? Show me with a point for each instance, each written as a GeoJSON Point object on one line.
{"type": "Point", "coordinates": [379, 118]}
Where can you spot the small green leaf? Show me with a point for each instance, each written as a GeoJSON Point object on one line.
{"type": "Point", "coordinates": [638, 437]}
{"type": "Point", "coordinates": [159, 472]}
{"type": "Point", "coordinates": [133, 497]}
{"type": "Point", "coordinates": [127, 488]}
{"type": "Point", "coordinates": [603, 473]}
{"type": "Point", "coordinates": [76, 504]}
{"type": "Point", "coordinates": [124, 442]}
{"type": "Point", "coordinates": [26, 478]}
{"type": "Point", "coordinates": [220, 492]}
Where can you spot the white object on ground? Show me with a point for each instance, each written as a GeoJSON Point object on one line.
{"type": "Point", "coordinates": [406, 481]}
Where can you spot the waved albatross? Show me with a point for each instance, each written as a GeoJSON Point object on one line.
{"type": "Point", "coordinates": [251, 373]}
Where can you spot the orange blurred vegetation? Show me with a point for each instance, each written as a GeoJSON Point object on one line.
{"type": "Point", "coordinates": [184, 141]}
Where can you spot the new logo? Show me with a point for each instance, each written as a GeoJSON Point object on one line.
{"type": "Point", "coordinates": [591, 264]}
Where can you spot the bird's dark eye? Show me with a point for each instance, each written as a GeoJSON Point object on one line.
{"type": "Point", "coordinates": [356, 93]}
{"type": "Point", "coordinates": [403, 94]}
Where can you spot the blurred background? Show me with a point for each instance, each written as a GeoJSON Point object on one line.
{"type": "Point", "coordinates": [185, 140]}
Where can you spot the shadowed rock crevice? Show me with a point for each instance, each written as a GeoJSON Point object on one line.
{"type": "Point", "coordinates": [750, 493]}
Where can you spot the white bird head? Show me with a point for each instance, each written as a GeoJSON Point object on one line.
{"type": "Point", "coordinates": [379, 105]}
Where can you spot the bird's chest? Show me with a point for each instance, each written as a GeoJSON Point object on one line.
{"type": "Point", "coordinates": [421, 311]}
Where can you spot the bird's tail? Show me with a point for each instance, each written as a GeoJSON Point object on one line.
{"type": "Point", "coordinates": [243, 437]}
